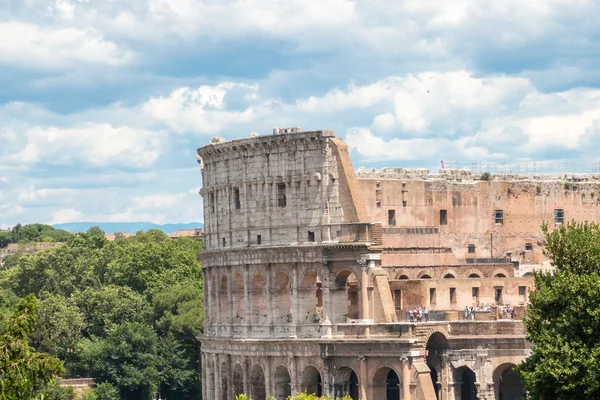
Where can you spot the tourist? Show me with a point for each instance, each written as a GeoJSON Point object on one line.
{"type": "Point", "coordinates": [410, 315]}
{"type": "Point", "coordinates": [466, 312]}
{"type": "Point", "coordinates": [426, 314]}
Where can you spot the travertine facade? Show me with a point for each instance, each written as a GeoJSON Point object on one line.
{"type": "Point", "coordinates": [310, 269]}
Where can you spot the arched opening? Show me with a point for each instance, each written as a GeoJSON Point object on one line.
{"type": "Point", "coordinates": [345, 297]}
{"type": "Point", "coordinates": [403, 277]}
{"type": "Point", "coordinates": [224, 381]}
{"type": "Point", "coordinates": [507, 383]}
{"type": "Point", "coordinates": [466, 378]}
{"type": "Point", "coordinates": [311, 298]}
{"type": "Point", "coordinates": [500, 275]}
{"type": "Point", "coordinates": [425, 276]}
{"type": "Point", "coordinates": [258, 296]}
{"type": "Point", "coordinates": [346, 383]}
{"type": "Point", "coordinates": [282, 298]}
{"type": "Point", "coordinates": [223, 297]}
{"type": "Point", "coordinates": [386, 384]}
{"type": "Point", "coordinates": [436, 347]}
{"type": "Point", "coordinates": [528, 275]}
{"type": "Point", "coordinates": [238, 380]}
{"type": "Point", "coordinates": [239, 305]}
{"type": "Point", "coordinates": [311, 382]}
{"type": "Point", "coordinates": [449, 276]}
{"type": "Point", "coordinates": [257, 384]}
{"type": "Point", "coordinates": [474, 275]}
{"type": "Point", "coordinates": [214, 295]}
{"type": "Point", "coordinates": [283, 388]}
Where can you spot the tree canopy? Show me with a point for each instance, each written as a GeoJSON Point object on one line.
{"type": "Point", "coordinates": [33, 233]}
{"type": "Point", "coordinates": [124, 312]}
{"type": "Point", "coordinates": [563, 319]}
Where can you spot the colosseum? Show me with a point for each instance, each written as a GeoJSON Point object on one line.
{"type": "Point", "coordinates": [311, 271]}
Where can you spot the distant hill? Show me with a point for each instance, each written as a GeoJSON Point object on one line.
{"type": "Point", "coordinates": [126, 227]}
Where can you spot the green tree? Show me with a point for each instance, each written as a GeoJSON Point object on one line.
{"type": "Point", "coordinates": [23, 371]}
{"type": "Point", "coordinates": [103, 391]}
{"type": "Point", "coordinates": [563, 319]}
{"type": "Point", "coordinates": [126, 357]}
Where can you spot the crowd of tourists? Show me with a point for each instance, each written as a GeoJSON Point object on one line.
{"type": "Point", "coordinates": [418, 314]}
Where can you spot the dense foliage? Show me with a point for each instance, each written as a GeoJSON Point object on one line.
{"type": "Point", "coordinates": [299, 396]}
{"type": "Point", "coordinates": [563, 320]}
{"type": "Point", "coordinates": [122, 312]}
{"type": "Point", "coordinates": [33, 233]}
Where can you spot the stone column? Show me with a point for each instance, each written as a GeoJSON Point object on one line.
{"type": "Point", "coordinates": [217, 375]}
{"type": "Point", "coordinates": [406, 378]}
{"type": "Point", "coordinates": [247, 299]}
{"type": "Point", "coordinates": [207, 298]}
{"type": "Point", "coordinates": [246, 372]}
{"type": "Point", "coordinates": [295, 300]}
{"type": "Point", "coordinates": [269, 387]}
{"type": "Point", "coordinates": [327, 332]}
{"type": "Point", "coordinates": [295, 384]}
{"type": "Point", "coordinates": [230, 301]}
{"type": "Point", "coordinates": [270, 305]}
{"type": "Point", "coordinates": [203, 375]}
{"type": "Point", "coordinates": [218, 301]}
{"type": "Point", "coordinates": [363, 378]}
{"type": "Point", "coordinates": [230, 386]}
{"type": "Point", "coordinates": [364, 296]}
{"type": "Point", "coordinates": [326, 378]}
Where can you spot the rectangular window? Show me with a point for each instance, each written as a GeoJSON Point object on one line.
{"type": "Point", "coordinates": [223, 241]}
{"type": "Point", "coordinates": [403, 203]}
{"type": "Point", "coordinates": [475, 293]}
{"type": "Point", "coordinates": [452, 295]}
{"type": "Point", "coordinates": [528, 246]}
{"type": "Point", "coordinates": [378, 204]}
{"type": "Point", "coordinates": [212, 202]}
{"type": "Point", "coordinates": [522, 290]}
{"type": "Point", "coordinates": [443, 217]}
{"type": "Point", "coordinates": [236, 198]}
{"type": "Point", "coordinates": [499, 217]}
{"type": "Point", "coordinates": [471, 248]}
{"type": "Point", "coordinates": [392, 217]}
{"type": "Point", "coordinates": [311, 236]}
{"type": "Point", "coordinates": [431, 295]}
{"type": "Point", "coordinates": [498, 295]}
{"type": "Point", "coordinates": [559, 216]}
{"type": "Point", "coordinates": [398, 299]}
{"type": "Point", "coordinates": [281, 199]}
{"type": "Point", "coordinates": [258, 239]}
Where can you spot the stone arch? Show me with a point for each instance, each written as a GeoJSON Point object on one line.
{"type": "Point", "coordinates": [473, 273]}
{"type": "Point", "coordinates": [449, 274]}
{"type": "Point", "coordinates": [311, 381]}
{"type": "Point", "coordinates": [238, 380]}
{"type": "Point", "coordinates": [401, 277]}
{"type": "Point", "coordinates": [258, 300]}
{"type": "Point", "coordinates": [283, 383]}
{"type": "Point", "coordinates": [507, 384]}
{"type": "Point", "coordinates": [346, 382]}
{"type": "Point", "coordinates": [224, 372]}
{"type": "Point", "coordinates": [386, 384]}
{"type": "Point", "coordinates": [311, 298]}
{"type": "Point", "coordinates": [257, 383]}
{"type": "Point", "coordinates": [239, 302]}
{"type": "Point", "coordinates": [425, 274]}
{"type": "Point", "coordinates": [403, 274]}
{"type": "Point", "coordinates": [528, 275]}
{"type": "Point", "coordinates": [436, 345]}
{"type": "Point", "coordinates": [498, 272]}
{"type": "Point", "coordinates": [345, 297]}
{"type": "Point", "coordinates": [282, 299]}
{"type": "Point", "coordinates": [224, 296]}
{"type": "Point", "coordinates": [465, 384]}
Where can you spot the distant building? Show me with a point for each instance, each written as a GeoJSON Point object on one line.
{"type": "Point", "coordinates": [198, 232]}
{"type": "Point", "coordinates": [112, 236]}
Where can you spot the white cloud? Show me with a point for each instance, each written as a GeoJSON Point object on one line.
{"type": "Point", "coordinates": [92, 144]}
{"type": "Point", "coordinates": [66, 215]}
{"type": "Point", "coordinates": [27, 45]}
{"type": "Point", "coordinates": [33, 196]}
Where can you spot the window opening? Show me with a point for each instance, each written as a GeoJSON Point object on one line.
{"type": "Point", "coordinates": [443, 217]}
{"type": "Point", "coordinates": [223, 241]}
{"type": "Point", "coordinates": [499, 217]}
{"type": "Point", "coordinates": [452, 295]}
{"type": "Point", "coordinates": [392, 217]}
{"type": "Point", "coordinates": [471, 248]}
{"type": "Point", "coordinates": [559, 216]}
{"type": "Point", "coordinates": [281, 198]}
{"type": "Point", "coordinates": [212, 202]}
{"type": "Point", "coordinates": [236, 198]}
{"type": "Point", "coordinates": [403, 203]}
{"type": "Point", "coordinates": [258, 239]}
{"type": "Point", "coordinates": [431, 295]}
{"type": "Point", "coordinates": [378, 204]}
{"type": "Point", "coordinates": [311, 236]}
{"type": "Point", "coordinates": [528, 246]}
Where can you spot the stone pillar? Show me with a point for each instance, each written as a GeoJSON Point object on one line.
{"type": "Point", "coordinates": [246, 372]}
{"type": "Point", "coordinates": [209, 306]}
{"type": "Point", "coordinates": [364, 296]}
{"type": "Point", "coordinates": [295, 384]}
{"type": "Point", "coordinates": [230, 300]}
{"type": "Point", "coordinates": [270, 305]}
{"type": "Point", "coordinates": [230, 386]}
{"type": "Point", "coordinates": [217, 375]}
{"type": "Point", "coordinates": [326, 378]}
{"type": "Point", "coordinates": [219, 319]}
{"type": "Point", "coordinates": [406, 378]}
{"type": "Point", "coordinates": [362, 394]}
{"type": "Point", "coordinates": [203, 375]}
{"type": "Point", "coordinates": [295, 300]}
{"type": "Point", "coordinates": [247, 300]}
{"type": "Point", "coordinates": [327, 332]}
{"type": "Point", "coordinates": [269, 379]}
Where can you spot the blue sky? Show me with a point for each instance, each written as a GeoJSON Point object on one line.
{"type": "Point", "coordinates": [103, 103]}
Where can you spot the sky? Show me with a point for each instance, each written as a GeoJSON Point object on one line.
{"type": "Point", "coordinates": [103, 102]}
